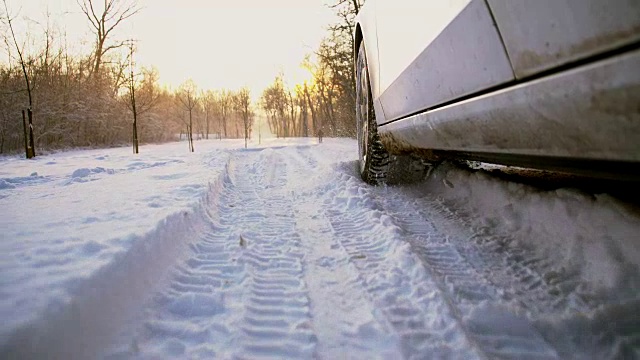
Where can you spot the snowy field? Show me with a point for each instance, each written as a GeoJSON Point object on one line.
{"type": "Point", "coordinates": [280, 251]}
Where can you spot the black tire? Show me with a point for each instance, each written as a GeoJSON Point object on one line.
{"type": "Point", "coordinates": [376, 166]}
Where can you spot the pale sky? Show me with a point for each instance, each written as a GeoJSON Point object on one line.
{"type": "Point", "coordinates": [217, 43]}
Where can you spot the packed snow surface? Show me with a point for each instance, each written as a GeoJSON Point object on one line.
{"type": "Point", "coordinates": [280, 251]}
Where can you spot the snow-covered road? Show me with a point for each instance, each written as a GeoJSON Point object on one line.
{"type": "Point", "coordinates": [280, 251]}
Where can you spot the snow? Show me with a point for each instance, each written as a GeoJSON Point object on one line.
{"type": "Point", "coordinates": [593, 235]}
{"type": "Point", "coordinates": [280, 251]}
{"type": "Point", "coordinates": [83, 214]}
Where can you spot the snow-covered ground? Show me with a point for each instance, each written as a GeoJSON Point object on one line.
{"type": "Point", "coordinates": [280, 251]}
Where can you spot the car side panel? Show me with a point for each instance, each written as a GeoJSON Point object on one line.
{"type": "Point", "coordinates": [542, 34]}
{"type": "Point", "coordinates": [589, 112]}
{"type": "Point", "coordinates": [406, 27]}
{"type": "Point", "coordinates": [461, 57]}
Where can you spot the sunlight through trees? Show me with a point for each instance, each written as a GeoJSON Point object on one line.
{"type": "Point", "coordinates": [85, 100]}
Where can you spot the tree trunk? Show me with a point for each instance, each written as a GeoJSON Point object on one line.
{"type": "Point", "coordinates": [314, 122]}
{"type": "Point", "coordinates": [135, 115]}
{"type": "Point", "coordinates": [224, 125]}
{"type": "Point", "coordinates": [31, 153]}
{"type": "Point", "coordinates": [98, 59]}
{"type": "Point", "coordinates": [207, 126]}
{"type": "Point", "coordinates": [246, 131]}
{"type": "Point", "coordinates": [24, 132]}
{"type": "Point", "coordinates": [135, 136]}
{"type": "Point", "coordinates": [31, 142]}
{"type": "Point", "coordinates": [305, 122]}
{"type": "Point", "coordinates": [191, 148]}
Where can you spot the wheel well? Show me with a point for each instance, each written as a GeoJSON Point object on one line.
{"type": "Point", "coordinates": [356, 45]}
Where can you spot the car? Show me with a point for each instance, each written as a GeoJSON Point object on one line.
{"type": "Point", "coordinates": [545, 84]}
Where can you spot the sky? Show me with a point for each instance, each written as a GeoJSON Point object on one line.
{"type": "Point", "coordinates": [217, 43]}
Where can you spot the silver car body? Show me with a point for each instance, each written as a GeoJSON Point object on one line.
{"type": "Point", "coordinates": [517, 82]}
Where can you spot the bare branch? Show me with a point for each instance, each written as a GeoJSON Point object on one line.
{"type": "Point", "coordinates": [22, 62]}
{"type": "Point", "coordinates": [113, 14]}
{"type": "Point", "coordinates": [116, 46]}
{"type": "Point", "coordinates": [90, 16]}
{"type": "Point", "coordinates": [124, 16]}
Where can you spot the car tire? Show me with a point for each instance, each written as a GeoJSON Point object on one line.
{"type": "Point", "coordinates": [375, 164]}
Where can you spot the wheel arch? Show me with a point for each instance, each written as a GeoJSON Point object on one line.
{"type": "Point", "coordinates": [366, 31]}
{"type": "Point", "coordinates": [357, 40]}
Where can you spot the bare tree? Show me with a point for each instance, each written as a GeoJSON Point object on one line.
{"type": "Point", "coordinates": [302, 103]}
{"type": "Point", "coordinates": [188, 98]}
{"type": "Point", "coordinates": [310, 103]}
{"type": "Point", "coordinates": [104, 20]}
{"type": "Point", "coordinates": [243, 106]}
{"type": "Point", "coordinates": [210, 108]}
{"type": "Point", "coordinates": [346, 11]}
{"type": "Point", "coordinates": [132, 99]}
{"type": "Point", "coordinates": [226, 107]}
{"type": "Point", "coordinates": [292, 105]}
{"type": "Point", "coordinates": [28, 140]}
{"type": "Point", "coordinates": [275, 102]}
{"type": "Point", "coordinates": [147, 92]}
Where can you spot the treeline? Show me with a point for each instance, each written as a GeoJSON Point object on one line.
{"type": "Point", "coordinates": [85, 100]}
{"type": "Point", "coordinates": [221, 113]}
{"type": "Point", "coordinates": [325, 104]}
{"type": "Point", "coordinates": [74, 108]}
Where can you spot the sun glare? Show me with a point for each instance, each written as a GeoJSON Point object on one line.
{"type": "Point", "coordinates": [222, 44]}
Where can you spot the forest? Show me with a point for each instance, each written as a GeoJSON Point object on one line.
{"type": "Point", "coordinates": [102, 98]}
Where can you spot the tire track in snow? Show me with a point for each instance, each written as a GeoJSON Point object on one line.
{"type": "Point", "coordinates": [404, 296]}
{"type": "Point", "coordinates": [471, 299]}
{"type": "Point", "coordinates": [189, 316]}
{"type": "Point", "coordinates": [277, 321]}
{"type": "Point", "coordinates": [513, 303]}
{"type": "Point", "coordinates": [570, 321]}
{"type": "Point", "coordinates": [241, 293]}
{"type": "Point", "coordinates": [345, 318]}
{"type": "Point", "coordinates": [402, 290]}
{"type": "Point", "coordinates": [531, 285]}
{"type": "Point", "coordinates": [483, 308]}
